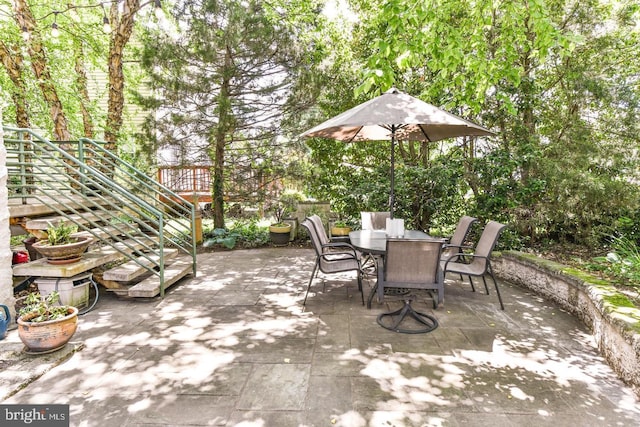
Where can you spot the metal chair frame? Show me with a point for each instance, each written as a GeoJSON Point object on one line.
{"type": "Point", "coordinates": [459, 235]}
{"type": "Point", "coordinates": [477, 263]}
{"type": "Point", "coordinates": [330, 254]}
{"type": "Point", "coordinates": [372, 221]}
{"type": "Point", "coordinates": [422, 271]}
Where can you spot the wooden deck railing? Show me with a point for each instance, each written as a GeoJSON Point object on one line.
{"type": "Point", "coordinates": [193, 183]}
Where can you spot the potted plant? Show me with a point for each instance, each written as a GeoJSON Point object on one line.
{"type": "Point", "coordinates": [340, 228]}
{"type": "Point", "coordinates": [280, 231]}
{"type": "Point", "coordinates": [44, 326]}
{"type": "Point", "coordinates": [61, 246]}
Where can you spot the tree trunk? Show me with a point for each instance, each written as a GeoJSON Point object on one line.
{"type": "Point", "coordinates": [470, 174]}
{"type": "Point", "coordinates": [122, 25]}
{"type": "Point", "coordinates": [14, 64]}
{"type": "Point", "coordinates": [27, 23]}
{"type": "Point", "coordinates": [218, 181]}
{"type": "Point", "coordinates": [223, 130]}
{"type": "Point", "coordinates": [83, 91]}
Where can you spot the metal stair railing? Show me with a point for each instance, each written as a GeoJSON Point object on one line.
{"type": "Point", "coordinates": [78, 177]}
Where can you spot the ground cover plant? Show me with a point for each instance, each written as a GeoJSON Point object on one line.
{"type": "Point", "coordinates": [239, 234]}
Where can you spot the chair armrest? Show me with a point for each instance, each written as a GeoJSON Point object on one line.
{"type": "Point", "coordinates": [462, 255]}
{"type": "Point", "coordinates": [472, 256]}
{"type": "Point", "coordinates": [339, 245]}
{"type": "Point", "coordinates": [446, 245]}
{"type": "Point", "coordinates": [352, 255]}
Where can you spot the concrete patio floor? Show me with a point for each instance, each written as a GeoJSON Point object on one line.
{"type": "Point", "coordinates": [234, 347]}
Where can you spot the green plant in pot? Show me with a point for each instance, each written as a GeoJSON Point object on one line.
{"type": "Point", "coordinates": [43, 325]}
{"type": "Point", "coordinates": [61, 245]}
{"type": "Point", "coordinates": [279, 231]}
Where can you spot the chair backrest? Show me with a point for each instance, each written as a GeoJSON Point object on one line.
{"type": "Point", "coordinates": [313, 234]}
{"type": "Point", "coordinates": [320, 230]}
{"type": "Point", "coordinates": [374, 220]}
{"type": "Point", "coordinates": [413, 260]}
{"type": "Point", "coordinates": [489, 238]}
{"type": "Point", "coordinates": [462, 229]}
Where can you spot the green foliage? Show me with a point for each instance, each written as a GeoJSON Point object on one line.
{"type": "Point", "coordinates": [629, 227]}
{"type": "Point", "coordinates": [236, 72]}
{"type": "Point", "coordinates": [357, 179]}
{"type": "Point", "coordinates": [556, 80]}
{"type": "Point", "coordinates": [623, 261]}
{"type": "Point", "coordinates": [60, 234]}
{"type": "Point", "coordinates": [17, 240]}
{"type": "Point", "coordinates": [221, 236]}
{"type": "Point", "coordinates": [81, 40]}
{"type": "Point", "coordinates": [286, 205]}
{"type": "Point", "coordinates": [429, 195]}
{"type": "Point", "coordinates": [246, 234]}
{"type": "Point", "coordinates": [546, 78]}
{"type": "Point", "coordinates": [40, 309]}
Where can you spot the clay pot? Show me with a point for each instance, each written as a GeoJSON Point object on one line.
{"type": "Point", "coordinates": [40, 337]}
{"type": "Point", "coordinates": [280, 235]}
{"type": "Point", "coordinates": [63, 252]}
{"type": "Point", "coordinates": [340, 231]}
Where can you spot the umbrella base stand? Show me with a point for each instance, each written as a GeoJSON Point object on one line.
{"type": "Point", "coordinates": [421, 323]}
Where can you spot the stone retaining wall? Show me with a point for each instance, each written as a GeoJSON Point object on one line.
{"type": "Point", "coordinates": [612, 317]}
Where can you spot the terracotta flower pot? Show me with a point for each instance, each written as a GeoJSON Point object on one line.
{"type": "Point", "coordinates": [49, 335]}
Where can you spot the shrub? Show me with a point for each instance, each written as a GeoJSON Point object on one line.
{"type": "Point", "coordinates": [247, 234]}
{"type": "Point", "coordinates": [60, 234]}
{"type": "Point", "coordinates": [623, 261]}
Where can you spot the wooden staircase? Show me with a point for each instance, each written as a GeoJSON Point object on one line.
{"type": "Point", "coordinates": [127, 257]}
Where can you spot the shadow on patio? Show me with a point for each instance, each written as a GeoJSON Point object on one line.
{"type": "Point", "coordinates": [234, 347]}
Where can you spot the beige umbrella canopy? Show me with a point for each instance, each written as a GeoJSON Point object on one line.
{"type": "Point", "coordinates": [394, 115]}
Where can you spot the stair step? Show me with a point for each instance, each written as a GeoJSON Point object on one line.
{"type": "Point", "coordinates": [150, 287]}
{"type": "Point", "coordinates": [110, 230]}
{"type": "Point", "coordinates": [44, 205]}
{"type": "Point", "coordinates": [134, 268]}
{"type": "Point", "coordinates": [110, 285]}
{"type": "Point", "coordinates": [83, 218]}
{"type": "Point", "coordinates": [91, 259]}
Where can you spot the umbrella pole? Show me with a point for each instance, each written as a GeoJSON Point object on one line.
{"type": "Point", "coordinates": [392, 196]}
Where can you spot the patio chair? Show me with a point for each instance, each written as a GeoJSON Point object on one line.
{"type": "Point", "coordinates": [331, 257]}
{"type": "Point", "coordinates": [455, 243]}
{"type": "Point", "coordinates": [320, 230]}
{"type": "Point", "coordinates": [477, 263]}
{"type": "Point", "coordinates": [410, 264]}
{"type": "Point", "coordinates": [374, 220]}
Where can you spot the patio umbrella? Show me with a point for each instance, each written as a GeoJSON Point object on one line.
{"type": "Point", "coordinates": [395, 115]}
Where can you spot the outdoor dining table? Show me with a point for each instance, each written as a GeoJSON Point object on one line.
{"type": "Point", "coordinates": [374, 242]}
